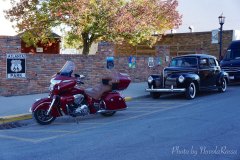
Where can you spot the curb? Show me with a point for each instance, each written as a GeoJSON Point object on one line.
{"type": "Point", "coordinates": [14, 118]}
{"type": "Point", "coordinates": [136, 98]}
{"type": "Point", "coordinates": [127, 99]}
{"type": "Point", "coordinates": [26, 116]}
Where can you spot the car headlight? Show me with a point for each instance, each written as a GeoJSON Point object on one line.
{"type": "Point", "coordinates": [53, 82]}
{"type": "Point", "coordinates": [181, 79]}
{"type": "Point", "coordinates": [150, 79]}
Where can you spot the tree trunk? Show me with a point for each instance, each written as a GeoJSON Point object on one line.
{"type": "Point", "coordinates": [86, 48]}
{"type": "Point", "coordinates": [87, 42]}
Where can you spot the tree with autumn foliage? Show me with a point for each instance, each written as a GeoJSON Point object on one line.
{"type": "Point", "coordinates": [88, 21]}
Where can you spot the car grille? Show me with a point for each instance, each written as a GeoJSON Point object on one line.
{"type": "Point", "coordinates": [231, 69]}
{"type": "Point", "coordinates": [170, 81]}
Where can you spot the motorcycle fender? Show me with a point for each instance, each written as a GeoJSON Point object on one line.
{"type": "Point", "coordinates": [114, 101]}
{"type": "Point", "coordinates": [44, 103]}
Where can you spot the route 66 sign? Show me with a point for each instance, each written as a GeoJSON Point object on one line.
{"type": "Point", "coordinates": [16, 66]}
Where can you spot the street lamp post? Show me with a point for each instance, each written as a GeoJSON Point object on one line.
{"type": "Point", "coordinates": [221, 19]}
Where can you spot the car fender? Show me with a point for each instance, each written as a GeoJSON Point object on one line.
{"type": "Point", "coordinates": [190, 77]}
{"type": "Point", "coordinates": [221, 75]}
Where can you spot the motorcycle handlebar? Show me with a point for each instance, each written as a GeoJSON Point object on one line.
{"type": "Point", "coordinates": [79, 81]}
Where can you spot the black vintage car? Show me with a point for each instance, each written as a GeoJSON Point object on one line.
{"type": "Point", "coordinates": [189, 74]}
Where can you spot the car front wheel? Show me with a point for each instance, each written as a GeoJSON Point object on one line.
{"type": "Point", "coordinates": [191, 91]}
{"type": "Point", "coordinates": [223, 85]}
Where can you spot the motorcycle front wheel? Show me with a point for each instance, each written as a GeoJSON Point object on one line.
{"type": "Point", "coordinates": [108, 114]}
{"type": "Point", "coordinates": [42, 118]}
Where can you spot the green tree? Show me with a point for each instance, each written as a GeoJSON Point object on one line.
{"type": "Point", "coordinates": [133, 21]}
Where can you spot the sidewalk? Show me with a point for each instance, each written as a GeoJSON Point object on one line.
{"type": "Point", "coordinates": [17, 107]}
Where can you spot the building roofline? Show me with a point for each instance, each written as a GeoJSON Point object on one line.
{"type": "Point", "coordinates": [202, 32]}
{"type": "Point", "coordinates": [54, 35]}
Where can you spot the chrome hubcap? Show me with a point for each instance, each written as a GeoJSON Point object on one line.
{"type": "Point", "coordinates": [192, 90]}
{"type": "Point", "coordinates": [224, 85]}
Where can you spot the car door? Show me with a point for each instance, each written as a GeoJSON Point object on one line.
{"type": "Point", "coordinates": [208, 71]}
{"type": "Point", "coordinates": [214, 70]}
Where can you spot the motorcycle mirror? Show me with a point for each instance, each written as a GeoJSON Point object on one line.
{"type": "Point", "coordinates": [82, 76]}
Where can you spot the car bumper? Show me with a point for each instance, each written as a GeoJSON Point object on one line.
{"type": "Point", "coordinates": [234, 73]}
{"type": "Point", "coordinates": [173, 90]}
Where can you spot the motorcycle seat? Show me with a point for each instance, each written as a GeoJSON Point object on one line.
{"type": "Point", "coordinates": [109, 79]}
{"type": "Point", "coordinates": [97, 91]}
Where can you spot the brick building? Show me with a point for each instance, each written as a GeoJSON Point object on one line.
{"type": "Point", "coordinates": [52, 47]}
{"type": "Point", "coordinates": [179, 44]}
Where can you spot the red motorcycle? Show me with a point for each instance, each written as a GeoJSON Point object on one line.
{"type": "Point", "coordinates": [68, 98]}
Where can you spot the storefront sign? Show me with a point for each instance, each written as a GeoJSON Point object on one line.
{"type": "Point", "coordinates": [132, 62]}
{"type": "Point", "coordinates": [158, 61]}
{"type": "Point", "coordinates": [150, 62]}
{"type": "Point", "coordinates": [167, 58]}
{"type": "Point", "coordinates": [110, 62]}
{"type": "Point", "coordinates": [39, 49]}
{"type": "Point", "coordinates": [16, 66]}
{"type": "Point", "coordinates": [215, 36]}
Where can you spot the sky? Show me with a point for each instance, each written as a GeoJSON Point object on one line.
{"type": "Point", "coordinates": [202, 15]}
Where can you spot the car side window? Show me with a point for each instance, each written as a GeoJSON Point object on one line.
{"type": "Point", "coordinates": [204, 63]}
{"type": "Point", "coordinates": [212, 62]}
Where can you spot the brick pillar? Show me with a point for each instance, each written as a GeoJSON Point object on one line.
{"type": "Point", "coordinates": [10, 44]}
{"type": "Point", "coordinates": [105, 48]}
{"type": "Point", "coordinates": [163, 52]}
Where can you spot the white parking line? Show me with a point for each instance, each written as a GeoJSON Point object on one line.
{"type": "Point", "coordinates": [18, 138]}
{"type": "Point", "coordinates": [44, 131]}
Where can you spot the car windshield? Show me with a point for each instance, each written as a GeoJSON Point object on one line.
{"type": "Point", "coordinates": [232, 54]}
{"type": "Point", "coordinates": [67, 69]}
{"type": "Point", "coordinates": [184, 62]}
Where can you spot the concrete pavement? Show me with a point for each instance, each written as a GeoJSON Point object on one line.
{"type": "Point", "coordinates": [17, 107]}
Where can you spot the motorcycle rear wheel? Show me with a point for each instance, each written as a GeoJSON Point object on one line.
{"type": "Point", "coordinates": [108, 114]}
{"type": "Point", "coordinates": [42, 118]}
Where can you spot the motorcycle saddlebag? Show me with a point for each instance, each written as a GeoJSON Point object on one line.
{"type": "Point", "coordinates": [114, 101]}
{"type": "Point", "coordinates": [124, 81]}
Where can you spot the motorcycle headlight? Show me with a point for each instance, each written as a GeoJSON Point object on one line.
{"type": "Point", "coordinates": [53, 82]}
{"type": "Point", "coordinates": [181, 79]}
{"type": "Point", "coordinates": [150, 79]}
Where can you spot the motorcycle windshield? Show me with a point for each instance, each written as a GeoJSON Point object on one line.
{"type": "Point", "coordinates": [67, 69]}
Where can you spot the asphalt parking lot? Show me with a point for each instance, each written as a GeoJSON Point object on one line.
{"type": "Point", "coordinates": [32, 132]}
{"type": "Point", "coordinates": [149, 129]}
